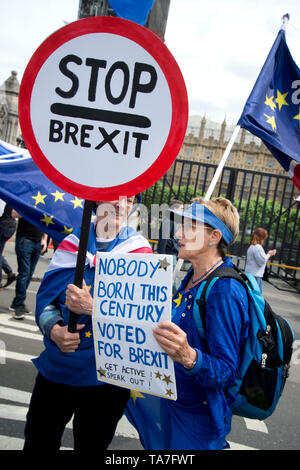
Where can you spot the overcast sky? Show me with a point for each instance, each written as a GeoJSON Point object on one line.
{"type": "Point", "coordinates": [220, 45]}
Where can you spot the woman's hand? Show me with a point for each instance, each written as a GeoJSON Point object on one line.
{"type": "Point", "coordinates": [173, 341]}
{"type": "Point", "coordinates": [79, 300]}
{"type": "Point", "coordinates": [67, 342]}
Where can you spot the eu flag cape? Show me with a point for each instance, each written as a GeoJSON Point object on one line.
{"type": "Point", "coordinates": [27, 190]}
{"type": "Point", "coordinates": [272, 111]}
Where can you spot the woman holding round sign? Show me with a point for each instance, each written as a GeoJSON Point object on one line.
{"type": "Point", "coordinates": [67, 383]}
{"type": "Point", "coordinates": [205, 367]}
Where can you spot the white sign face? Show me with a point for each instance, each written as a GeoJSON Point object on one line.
{"type": "Point", "coordinates": [106, 106]}
{"type": "Point", "coordinates": [132, 294]}
{"type": "Point", "coordinates": [103, 108]}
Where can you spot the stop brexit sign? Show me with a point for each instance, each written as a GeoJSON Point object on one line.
{"type": "Point", "coordinates": [103, 108]}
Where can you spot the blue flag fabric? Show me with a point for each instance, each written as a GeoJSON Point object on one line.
{"type": "Point", "coordinates": [272, 111]}
{"type": "Point", "coordinates": [134, 10]}
{"type": "Point", "coordinates": [26, 189]}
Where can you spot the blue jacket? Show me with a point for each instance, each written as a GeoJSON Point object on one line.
{"type": "Point", "coordinates": [201, 389]}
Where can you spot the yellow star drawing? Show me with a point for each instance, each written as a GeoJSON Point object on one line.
{"type": "Point", "coordinates": [67, 230]}
{"type": "Point", "coordinates": [58, 196]}
{"type": "Point", "coordinates": [101, 372]}
{"type": "Point", "coordinates": [169, 392]}
{"type": "Point", "coordinates": [298, 116]}
{"type": "Point", "coordinates": [77, 202]}
{"type": "Point", "coordinates": [134, 395]}
{"type": "Point", "coordinates": [281, 99]}
{"type": "Point", "coordinates": [270, 102]}
{"type": "Point", "coordinates": [167, 379]}
{"type": "Point", "coordinates": [164, 264]}
{"type": "Point", "coordinates": [39, 198]}
{"type": "Point", "coordinates": [88, 334]}
{"type": "Point", "coordinates": [271, 120]}
{"type": "Point", "coordinates": [157, 375]}
{"type": "Point", "coordinates": [178, 300]}
{"type": "Point", "coordinates": [48, 219]}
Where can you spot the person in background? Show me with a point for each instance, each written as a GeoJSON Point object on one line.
{"type": "Point", "coordinates": [7, 229]}
{"type": "Point", "coordinates": [256, 258]}
{"type": "Point", "coordinates": [30, 243]}
{"type": "Point", "coordinates": [201, 416]}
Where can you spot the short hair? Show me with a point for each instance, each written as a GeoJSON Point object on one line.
{"type": "Point", "coordinates": [227, 213]}
{"type": "Point", "coordinates": [258, 236]}
{"type": "Point", "coordinates": [175, 203]}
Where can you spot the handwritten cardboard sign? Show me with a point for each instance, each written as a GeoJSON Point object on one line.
{"type": "Point", "coordinates": [132, 294]}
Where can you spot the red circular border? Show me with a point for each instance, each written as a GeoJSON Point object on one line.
{"type": "Point", "coordinates": [156, 48]}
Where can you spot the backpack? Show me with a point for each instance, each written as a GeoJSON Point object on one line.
{"type": "Point", "coordinates": [265, 356]}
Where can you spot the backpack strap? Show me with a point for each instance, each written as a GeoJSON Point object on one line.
{"type": "Point", "coordinates": [204, 290]}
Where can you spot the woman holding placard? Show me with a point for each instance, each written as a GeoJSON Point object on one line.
{"type": "Point", "coordinates": [67, 383]}
{"type": "Point", "coordinates": [201, 416]}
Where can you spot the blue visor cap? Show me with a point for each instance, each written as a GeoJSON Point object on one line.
{"type": "Point", "coordinates": [201, 213]}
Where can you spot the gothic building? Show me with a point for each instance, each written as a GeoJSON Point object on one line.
{"type": "Point", "coordinates": [9, 119]}
{"type": "Point", "coordinates": [206, 141]}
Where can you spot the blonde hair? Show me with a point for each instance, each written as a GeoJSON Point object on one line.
{"type": "Point", "coordinates": [227, 213]}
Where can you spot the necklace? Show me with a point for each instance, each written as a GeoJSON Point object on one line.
{"type": "Point", "coordinates": [205, 274]}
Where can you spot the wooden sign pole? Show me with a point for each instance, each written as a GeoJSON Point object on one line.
{"type": "Point", "coordinates": [82, 249]}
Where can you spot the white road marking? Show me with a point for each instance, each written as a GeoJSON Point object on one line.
{"type": "Point", "coordinates": [17, 356]}
{"type": "Point", "coordinates": [21, 333]}
{"type": "Point", "coordinates": [6, 320]}
{"type": "Point", "coordinates": [15, 395]}
{"type": "Point", "coordinates": [256, 425]}
{"type": "Point", "coordinates": [14, 443]}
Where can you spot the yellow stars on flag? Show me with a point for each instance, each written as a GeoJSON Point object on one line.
{"type": "Point", "coordinates": [48, 219]}
{"type": "Point", "coordinates": [39, 198]}
{"type": "Point", "coordinates": [135, 394]}
{"type": "Point", "coordinates": [297, 116]}
{"type": "Point", "coordinates": [270, 102]}
{"type": "Point", "coordinates": [281, 101]}
{"type": "Point", "coordinates": [177, 300]}
{"type": "Point", "coordinates": [67, 230]}
{"type": "Point", "coordinates": [58, 196]}
{"type": "Point", "coordinates": [77, 202]}
{"type": "Point", "coordinates": [271, 120]}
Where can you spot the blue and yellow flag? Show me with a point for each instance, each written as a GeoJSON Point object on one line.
{"type": "Point", "coordinates": [133, 10]}
{"type": "Point", "coordinates": [26, 189]}
{"type": "Point", "coordinates": [272, 111]}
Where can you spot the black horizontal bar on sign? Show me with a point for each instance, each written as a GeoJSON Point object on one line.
{"type": "Point", "coordinates": [93, 114]}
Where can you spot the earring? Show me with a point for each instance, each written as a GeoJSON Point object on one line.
{"type": "Point", "coordinates": [210, 243]}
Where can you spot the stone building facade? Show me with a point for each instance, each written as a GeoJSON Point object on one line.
{"type": "Point", "coordinates": [9, 118]}
{"type": "Point", "coordinates": [206, 141]}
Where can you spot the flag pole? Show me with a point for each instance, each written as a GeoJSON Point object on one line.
{"type": "Point", "coordinates": [220, 167]}
{"type": "Point", "coordinates": [222, 163]}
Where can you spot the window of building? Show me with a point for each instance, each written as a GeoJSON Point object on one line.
{"type": "Point", "coordinates": [186, 170]}
{"type": "Point", "coordinates": [208, 154]}
{"type": "Point", "coordinates": [249, 160]}
{"type": "Point", "coordinates": [188, 151]}
{"type": "Point", "coordinates": [270, 163]}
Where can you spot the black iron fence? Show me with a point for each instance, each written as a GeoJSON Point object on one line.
{"type": "Point", "coordinates": [262, 199]}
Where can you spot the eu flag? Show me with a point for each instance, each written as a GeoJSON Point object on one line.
{"type": "Point", "coordinates": [272, 111]}
{"type": "Point", "coordinates": [133, 10]}
{"type": "Point", "coordinates": [26, 189]}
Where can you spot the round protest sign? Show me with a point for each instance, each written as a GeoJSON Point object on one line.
{"type": "Point", "coordinates": [103, 108]}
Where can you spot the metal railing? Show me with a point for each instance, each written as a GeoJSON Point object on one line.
{"type": "Point", "coordinates": [263, 200]}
